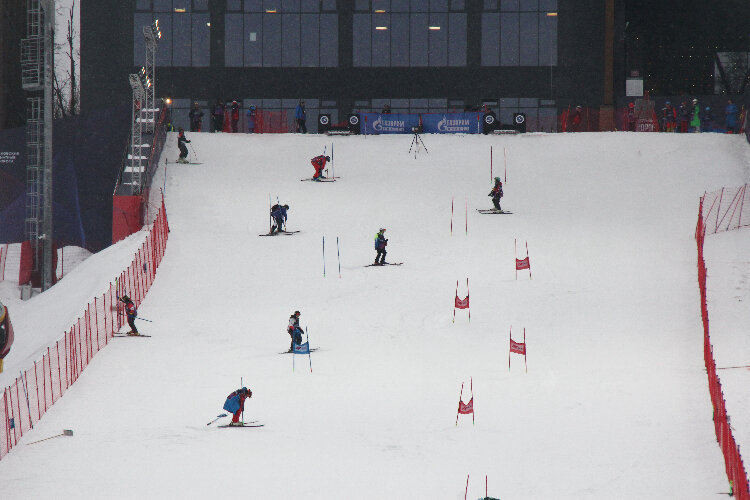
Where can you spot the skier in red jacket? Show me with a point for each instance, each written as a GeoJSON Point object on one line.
{"type": "Point", "coordinates": [319, 163]}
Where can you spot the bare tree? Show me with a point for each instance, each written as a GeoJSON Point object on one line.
{"type": "Point", "coordinates": [733, 72]}
{"type": "Point", "coordinates": [65, 85]}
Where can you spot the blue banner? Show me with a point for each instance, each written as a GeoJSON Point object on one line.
{"type": "Point", "coordinates": [452, 123]}
{"type": "Point", "coordinates": [302, 348]}
{"type": "Point", "coordinates": [397, 123]}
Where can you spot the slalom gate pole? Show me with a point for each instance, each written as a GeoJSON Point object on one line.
{"type": "Point", "coordinates": [466, 493]}
{"type": "Point", "coordinates": [467, 296]}
{"type": "Point", "coordinates": [294, 353]}
{"type": "Point", "coordinates": [527, 257]}
{"type": "Point", "coordinates": [461, 394]}
{"type": "Point", "coordinates": [243, 403]}
{"type": "Point", "coordinates": [515, 256]}
{"type": "Point", "coordinates": [333, 172]}
{"type": "Point", "coordinates": [164, 185]}
{"type": "Point", "coordinates": [270, 217]}
{"type": "Point", "coordinates": [454, 302]}
{"type": "Point", "coordinates": [338, 255]}
{"type": "Point", "coordinates": [510, 340]}
{"type": "Point", "coordinates": [309, 355]}
{"type": "Point", "coordinates": [491, 177]}
{"type": "Point", "coordinates": [466, 202]}
{"type": "Point", "coordinates": [472, 400]}
{"type": "Point", "coordinates": [485, 486]}
{"type": "Point", "coordinates": [451, 216]}
{"type": "Point", "coordinates": [505, 160]}
{"type": "Point", "coordinates": [26, 393]}
{"type": "Point", "coordinates": [525, 348]}
{"type": "Point", "coordinates": [324, 256]}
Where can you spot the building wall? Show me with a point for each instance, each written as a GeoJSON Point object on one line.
{"type": "Point", "coordinates": [12, 30]}
{"type": "Point", "coordinates": [203, 64]}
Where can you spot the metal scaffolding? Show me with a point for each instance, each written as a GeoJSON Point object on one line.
{"type": "Point", "coordinates": [152, 35]}
{"type": "Point", "coordinates": [37, 66]}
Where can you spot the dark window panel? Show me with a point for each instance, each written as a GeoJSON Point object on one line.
{"type": "Point", "coordinates": [438, 5]}
{"type": "Point", "coordinates": [200, 5]}
{"type": "Point", "coordinates": [271, 5]}
{"type": "Point", "coordinates": [143, 5]}
{"type": "Point", "coordinates": [253, 5]}
{"type": "Point", "coordinates": [162, 5]}
{"type": "Point", "coordinates": [328, 5]}
{"type": "Point", "coordinates": [420, 5]}
{"type": "Point", "coordinates": [290, 5]}
{"type": "Point", "coordinates": [547, 40]}
{"type": "Point", "coordinates": [490, 4]}
{"type": "Point", "coordinates": [310, 41]}
{"type": "Point", "coordinates": [201, 44]}
{"type": "Point", "coordinates": [400, 40]}
{"type": "Point", "coordinates": [509, 5]}
{"type": "Point", "coordinates": [182, 5]}
{"type": "Point", "coordinates": [438, 51]}
{"type": "Point", "coordinates": [233, 32]}
{"type": "Point", "coordinates": [310, 6]}
{"type": "Point", "coordinates": [490, 39]}
{"type": "Point", "coordinates": [234, 5]}
{"type": "Point", "coordinates": [381, 5]}
{"type": "Point", "coordinates": [528, 5]}
{"type": "Point", "coordinates": [271, 40]}
{"type": "Point", "coordinates": [509, 39]}
{"type": "Point", "coordinates": [290, 40]}
{"type": "Point", "coordinates": [362, 5]}
{"type": "Point", "coordinates": [548, 5]}
{"type": "Point", "coordinates": [381, 40]}
{"type": "Point", "coordinates": [457, 40]}
{"type": "Point", "coordinates": [399, 103]}
{"type": "Point", "coordinates": [329, 40]}
{"type": "Point", "coordinates": [362, 49]}
{"type": "Point", "coordinates": [529, 48]}
{"type": "Point", "coordinates": [419, 40]}
{"type": "Point", "coordinates": [253, 40]}
{"type": "Point", "coordinates": [182, 32]}
{"type": "Point", "coordinates": [458, 5]}
{"type": "Point", "coordinates": [399, 5]}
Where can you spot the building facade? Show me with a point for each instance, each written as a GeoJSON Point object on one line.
{"type": "Point", "coordinates": [343, 56]}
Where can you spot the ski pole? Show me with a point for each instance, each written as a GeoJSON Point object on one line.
{"type": "Point", "coordinates": [193, 150]}
{"type": "Point", "coordinates": [65, 432]}
{"type": "Point", "coordinates": [243, 403]}
{"type": "Point", "coordinates": [217, 418]}
{"type": "Point", "coordinates": [143, 319]}
{"type": "Point", "coordinates": [324, 256]}
{"type": "Point", "coordinates": [338, 254]}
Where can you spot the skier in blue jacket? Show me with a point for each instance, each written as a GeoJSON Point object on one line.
{"type": "Point", "coordinates": [235, 404]}
{"type": "Point", "coordinates": [300, 115]}
{"type": "Point", "coordinates": [278, 213]}
{"type": "Point", "coordinates": [732, 113]}
{"type": "Point", "coordinates": [380, 244]}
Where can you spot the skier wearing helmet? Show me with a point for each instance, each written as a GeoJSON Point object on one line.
{"type": "Point", "coordinates": [235, 115]}
{"type": "Point", "coordinates": [380, 244]}
{"type": "Point", "coordinates": [497, 193]}
{"type": "Point", "coordinates": [319, 163]}
{"type": "Point", "coordinates": [181, 140]}
{"type": "Point", "coordinates": [294, 331]}
{"type": "Point", "coordinates": [235, 404]}
{"type": "Point", "coordinates": [278, 214]}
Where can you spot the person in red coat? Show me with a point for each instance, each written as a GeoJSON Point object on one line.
{"type": "Point", "coordinates": [319, 163]}
{"type": "Point", "coordinates": [235, 404]}
{"type": "Point", "coordinates": [235, 115]}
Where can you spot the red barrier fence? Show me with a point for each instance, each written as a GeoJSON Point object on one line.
{"type": "Point", "coordinates": [38, 388]}
{"type": "Point", "coordinates": [729, 447]}
{"type": "Point", "coordinates": [3, 258]}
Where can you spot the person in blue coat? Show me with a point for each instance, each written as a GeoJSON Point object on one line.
{"type": "Point", "coordinates": [707, 120]}
{"type": "Point", "coordinates": [380, 244]}
{"type": "Point", "coordinates": [235, 404]}
{"type": "Point", "coordinates": [278, 214]}
{"type": "Point", "coordinates": [300, 115]}
{"type": "Point", "coordinates": [732, 112]}
{"type": "Point", "coordinates": [251, 119]}
{"type": "Point", "coordinates": [294, 331]}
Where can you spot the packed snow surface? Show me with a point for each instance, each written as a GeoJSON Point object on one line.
{"type": "Point", "coordinates": [615, 402]}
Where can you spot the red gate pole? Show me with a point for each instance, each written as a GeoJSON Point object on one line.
{"type": "Point", "coordinates": [59, 370]}
{"type": "Point", "coordinates": [36, 379]}
{"type": "Point", "coordinates": [461, 394]}
{"type": "Point", "coordinates": [49, 365]}
{"type": "Point", "coordinates": [468, 303]}
{"type": "Point", "coordinates": [527, 258]}
{"type": "Point", "coordinates": [515, 256]}
{"type": "Point", "coordinates": [525, 349]}
{"type": "Point", "coordinates": [454, 302]}
{"type": "Point", "coordinates": [472, 400]}
{"type": "Point", "coordinates": [510, 342]}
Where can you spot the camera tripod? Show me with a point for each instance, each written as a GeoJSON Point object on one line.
{"type": "Point", "coordinates": [416, 142]}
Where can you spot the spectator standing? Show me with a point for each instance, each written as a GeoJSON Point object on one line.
{"type": "Point", "coordinates": [251, 119]}
{"type": "Point", "coordinates": [219, 116]}
{"type": "Point", "coordinates": [731, 112]}
{"type": "Point", "coordinates": [196, 118]}
{"type": "Point", "coordinates": [386, 109]}
{"type": "Point", "coordinates": [300, 115]}
{"type": "Point", "coordinates": [695, 117]}
{"type": "Point", "coordinates": [235, 115]}
{"type": "Point", "coordinates": [631, 117]}
{"type": "Point", "coordinates": [668, 117]}
{"type": "Point", "coordinates": [707, 120]}
{"type": "Point", "coordinates": [684, 117]}
{"type": "Point", "coordinates": [575, 119]}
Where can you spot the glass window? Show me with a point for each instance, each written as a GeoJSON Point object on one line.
{"type": "Point", "coordinates": [201, 40]}
{"type": "Point", "coordinates": [162, 5]}
{"type": "Point", "coordinates": [310, 40]}
{"type": "Point", "coordinates": [547, 40]}
{"type": "Point", "coordinates": [381, 40]}
{"type": "Point", "coordinates": [509, 34]}
{"type": "Point", "coordinates": [528, 5]}
{"type": "Point", "coordinates": [362, 40]}
{"type": "Point", "coordinates": [381, 5]}
{"type": "Point", "coordinates": [547, 5]}
{"type": "Point", "coordinates": [438, 5]}
{"type": "Point", "coordinates": [271, 40]}
{"type": "Point", "coordinates": [290, 5]}
{"type": "Point", "coordinates": [329, 40]}
{"type": "Point", "coordinates": [457, 5]}
{"type": "Point", "coordinates": [399, 40]}
{"type": "Point", "coordinates": [253, 42]}
{"type": "Point", "coordinates": [164, 54]}
{"type": "Point", "coordinates": [200, 5]}
{"type": "Point", "coordinates": [509, 5]}
{"type": "Point", "coordinates": [329, 5]}
{"type": "Point", "coordinates": [529, 46]}
{"type": "Point", "coordinates": [182, 32]}
{"type": "Point", "coordinates": [233, 33]}
{"type": "Point", "coordinates": [290, 48]}
{"type": "Point", "coordinates": [182, 6]}
{"type": "Point", "coordinates": [139, 44]}
{"type": "Point", "coordinates": [310, 6]}
{"type": "Point", "coordinates": [271, 5]}
{"type": "Point", "coordinates": [420, 5]}
{"type": "Point", "coordinates": [143, 5]}
{"type": "Point", "coordinates": [253, 5]}
{"type": "Point", "coordinates": [438, 38]}
{"type": "Point", "coordinates": [490, 4]}
{"type": "Point", "coordinates": [399, 5]}
{"type": "Point", "coordinates": [418, 35]}
{"type": "Point", "coordinates": [457, 38]}
{"type": "Point", "coordinates": [362, 5]}
{"type": "Point", "coordinates": [490, 39]}
{"type": "Point", "coordinates": [234, 5]}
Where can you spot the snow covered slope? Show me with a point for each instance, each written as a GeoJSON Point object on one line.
{"type": "Point", "coordinates": [615, 401]}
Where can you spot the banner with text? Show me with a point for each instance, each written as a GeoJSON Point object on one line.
{"type": "Point", "coordinates": [452, 123]}
{"type": "Point", "coordinates": [397, 123]}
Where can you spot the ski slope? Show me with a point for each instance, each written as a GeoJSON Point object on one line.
{"type": "Point", "coordinates": [615, 402]}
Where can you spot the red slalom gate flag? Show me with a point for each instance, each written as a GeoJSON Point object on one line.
{"type": "Point", "coordinates": [517, 348]}
{"type": "Point", "coordinates": [466, 408]}
{"type": "Point", "coordinates": [522, 264]}
{"type": "Point", "coordinates": [461, 303]}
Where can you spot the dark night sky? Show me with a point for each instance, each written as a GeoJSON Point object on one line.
{"type": "Point", "coordinates": [673, 43]}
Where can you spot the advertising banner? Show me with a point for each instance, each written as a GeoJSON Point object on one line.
{"type": "Point", "coordinates": [452, 123]}
{"type": "Point", "coordinates": [397, 123]}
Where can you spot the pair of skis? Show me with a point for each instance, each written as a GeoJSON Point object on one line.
{"type": "Point", "coordinates": [252, 423]}
{"type": "Point", "coordinates": [288, 233]}
{"type": "Point", "coordinates": [493, 211]}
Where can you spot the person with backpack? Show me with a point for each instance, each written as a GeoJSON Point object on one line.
{"type": "Point", "coordinates": [196, 118]}
{"type": "Point", "coordinates": [497, 193]}
{"type": "Point", "coordinates": [294, 331]}
{"type": "Point", "coordinates": [380, 244]}
{"type": "Point", "coordinates": [235, 404]}
{"type": "Point", "coordinates": [219, 116]}
{"type": "Point", "coordinates": [131, 312]}
{"type": "Point", "coordinates": [234, 115]}
{"type": "Point", "coordinates": [278, 214]}
{"type": "Point", "coordinates": [300, 115]}
{"type": "Point", "coordinates": [319, 163]}
{"type": "Point", "coordinates": [181, 140]}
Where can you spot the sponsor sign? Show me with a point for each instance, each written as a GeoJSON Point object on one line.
{"type": "Point", "coordinates": [452, 123]}
{"type": "Point", "coordinates": [377, 123]}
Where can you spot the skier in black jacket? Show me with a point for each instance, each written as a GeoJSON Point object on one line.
{"type": "Point", "coordinates": [181, 140]}
{"type": "Point", "coordinates": [497, 193]}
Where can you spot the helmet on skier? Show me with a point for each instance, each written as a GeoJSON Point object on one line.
{"type": "Point", "coordinates": [297, 313]}
{"type": "Point", "coordinates": [286, 207]}
{"type": "Point", "coordinates": [181, 130]}
{"type": "Point", "coordinates": [497, 179]}
{"type": "Point", "coordinates": [328, 158]}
